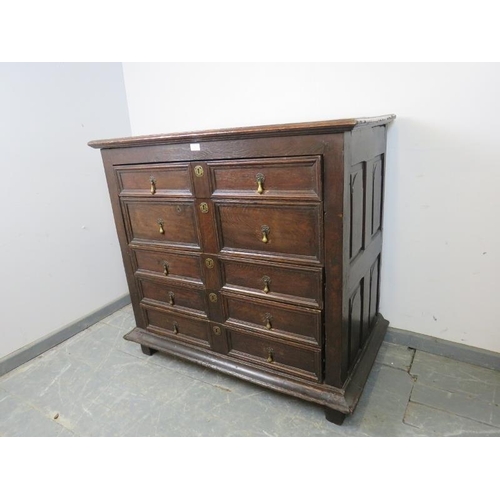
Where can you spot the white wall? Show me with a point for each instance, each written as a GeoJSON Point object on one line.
{"type": "Point", "coordinates": [59, 252]}
{"type": "Point", "coordinates": [441, 249]}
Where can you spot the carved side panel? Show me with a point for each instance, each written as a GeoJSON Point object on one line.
{"type": "Point", "coordinates": [355, 321]}
{"type": "Point", "coordinates": [364, 196]}
{"type": "Point", "coordinates": [374, 291]}
{"type": "Point", "coordinates": [357, 206]}
{"type": "Point", "coordinates": [376, 208]}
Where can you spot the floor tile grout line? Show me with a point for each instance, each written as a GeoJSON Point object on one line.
{"type": "Point", "coordinates": [413, 382]}
{"type": "Point", "coordinates": [390, 366]}
{"type": "Point", "coordinates": [414, 353]}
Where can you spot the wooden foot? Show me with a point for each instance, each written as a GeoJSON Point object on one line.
{"type": "Point", "coordinates": [147, 350]}
{"type": "Point", "coordinates": [334, 416]}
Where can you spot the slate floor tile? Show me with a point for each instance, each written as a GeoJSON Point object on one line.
{"type": "Point", "coordinates": [105, 333]}
{"type": "Point", "coordinates": [455, 376]}
{"type": "Point", "coordinates": [464, 405]}
{"type": "Point", "coordinates": [18, 419]}
{"type": "Point", "coordinates": [396, 356]}
{"type": "Point", "coordinates": [433, 422]}
{"type": "Point", "coordinates": [382, 406]}
{"type": "Point", "coordinates": [101, 385]}
{"type": "Point", "coordinates": [60, 385]}
{"type": "Point", "coordinates": [123, 319]}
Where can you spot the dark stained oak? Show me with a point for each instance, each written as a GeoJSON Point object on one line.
{"type": "Point", "coordinates": [147, 350]}
{"type": "Point", "coordinates": [167, 264]}
{"type": "Point", "coordinates": [161, 222]}
{"type": "Point", "coordinates": [175, 296]}
{"type": "Point", "coordinates": [274, 319]}
{"type": "Point", "coordinates": [285, 283]}
{"type": "Point", "coordinates": [293, 230]}
{"type": "Point", "coordinates": [288, 129]}
{"type": "Point", "coordinates": [257, 252]}
{"type": "Point", "coordinates": [267, 178]}
{"type": "Point", "coordinates": [179, 326]}
{"type": "Point", "coordinates": [155, 180]}
{"type": "Point", "coordinates": [334, 416]}
{"type": "Point", "coordinates": [273, 354]}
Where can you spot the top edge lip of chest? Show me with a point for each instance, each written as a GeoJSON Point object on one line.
{"type": "Point", "coordinates": [289, 129]}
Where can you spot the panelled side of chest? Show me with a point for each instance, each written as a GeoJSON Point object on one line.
{"type": "Point", "coordinates": [364, 165]}
{"type": "Point", "coordinates": [353, 177]}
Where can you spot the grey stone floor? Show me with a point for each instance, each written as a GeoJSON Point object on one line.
{"type": "Point", "coordinates": [97, 384]}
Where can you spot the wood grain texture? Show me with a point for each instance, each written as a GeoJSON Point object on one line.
{"type": "Point", "coordinates": [292, 359]}
{"type": "Point", "coordinates": [156, 180]}
{"type": "Point", "coordinates": [180, 326]}
{"type": "Point", "coordinates": [174, 295]}
{"type": "Point", "coordinates": [320, 127]}
{"type": "Point", "coordinates": [176, 218]}
{"type": "Point", "coordinates": [266, 264]}
{"type": "Point", "coordinates": [270, 318]}
{"type": "Point", "coordinates": [293, 230]}
{"type": "Point", "coordinates": [285, 283]}
{"type": "Point", "coordinates": [169, 264]}
{"type": "Point", "coordinates": [292, 177]}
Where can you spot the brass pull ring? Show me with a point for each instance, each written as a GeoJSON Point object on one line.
{"type": "Point", "coordinates": [270, 355]}
{"type": "Point", "coordinates": [268, 318]}
{"type": "Point", "coordinates": [265, 233]}
{"type": "Point", "coordinates": [260, 183]}
{"type": "Point", "coordinates": [267, 282]}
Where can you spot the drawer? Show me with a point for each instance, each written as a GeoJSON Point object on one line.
{"type": "Point", "coordinates": [276, 230]}
{"type": "Point", "coordinates": [292, 284]}
{"type": "Point", "coordinates": [174, 296]}
{"type": "Point", "coordinates": [270, 353]}
{"type": "Point", "coordinates": [191, 330]}
{"type": "Point", "coordinates": [154, 180]}
{"type": "Point", "coordinates": [294, 177]}
{"type": "Point", "coordinates": [171, 264]}
{"type": "Point", "coordinates": [168, 223]}
{"type": "Point", "coordinates": [268, 317]}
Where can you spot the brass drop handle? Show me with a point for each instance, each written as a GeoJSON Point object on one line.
{"type": "Point", "coordinates": [267, 282]}
{"type": "Point", "coordinates": [265, 233]}
{"type": "Point", "coordinates": [260, 183]}
{"type": "Point", "coordinates": [268, 321]}
{"type": "Point", "coordinates": [153, 184]}
{"type": "Point", "coordinates": [160, 224]}
{"type": "Point", "coordinates": [171, 298]}
{"type": "Point", "coordinates": [165, 268]}
{"type": "Point", "coordinates": [270, 355]}
{"type": "Point", "coordinates": [175, 328]}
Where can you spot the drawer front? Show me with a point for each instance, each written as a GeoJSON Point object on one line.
{"type": "Point", "coordinates": [191, 330]}
{"type": "Point", "coordinates": [276, 320]}
{"type": "Point", "coordinates": [173, 265]}
{"type": "Point", "coordinates": [295, 177]}
{"type": "Point", "coordinates": [271, 229]}
{"type": "Point", "coordinates": [276, 355]}
{"type": "Point", "coordinates": [293, 284]}
{"type": "Point", "coordinates": [174, 296]}
{"type": "Point", "coordinates": [155, 180]}
{"type": "Point", "coordinates": [169, 223]}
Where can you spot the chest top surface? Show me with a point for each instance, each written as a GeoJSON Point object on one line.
{"type": "Point", "coordinates": [318, 127]}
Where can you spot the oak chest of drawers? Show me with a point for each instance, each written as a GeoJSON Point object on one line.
{"type": "Point", "coordinates": [256, 251]}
